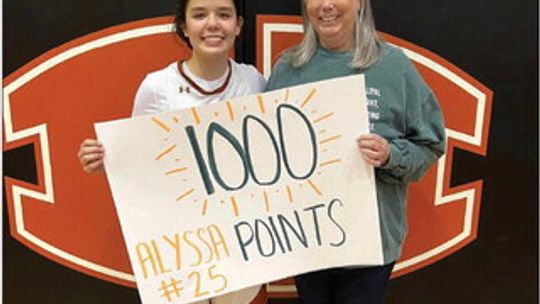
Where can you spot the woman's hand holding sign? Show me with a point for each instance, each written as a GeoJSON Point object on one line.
{"type": "Point", "coordinates": [374, 149]}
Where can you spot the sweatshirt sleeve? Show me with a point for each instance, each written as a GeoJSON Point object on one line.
{"type": "Point", "coordinates": [258, 79]}
{"type": "Point", "coordinates": [273, 82]}
{"type": "Point", "coordinates": [424, 140]}
{"type": "Point", "coordinates": [145, 99]}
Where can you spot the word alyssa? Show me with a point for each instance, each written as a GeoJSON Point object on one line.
{"type": "Point", "coordinates": [278, 232]}
{"type": "Point", "coordinates": [201, 246]}
{"type": "Point", "coordinates": [208, 169]}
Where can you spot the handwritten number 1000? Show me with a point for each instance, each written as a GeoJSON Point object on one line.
{"type": "Point", "coordinates": [208, 168]}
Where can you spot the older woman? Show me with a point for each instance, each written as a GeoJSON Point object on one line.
{"type": "Point", "coordinates": [407, 132]}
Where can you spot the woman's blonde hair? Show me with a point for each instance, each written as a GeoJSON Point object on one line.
{"type": "Point", "coordinates": [366, 43]}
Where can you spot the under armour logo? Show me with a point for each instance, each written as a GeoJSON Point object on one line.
{"type": "Point", "coordinates": [184, 90]}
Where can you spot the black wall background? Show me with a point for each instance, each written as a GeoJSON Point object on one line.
{"type": "Point", "coordinates": [495, 41]}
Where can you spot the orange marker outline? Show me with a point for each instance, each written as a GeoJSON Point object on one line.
{"type": "Point", "coordinates": [315, 188]}
{"type": "Point", "coordinates": [260, 100]}
{"type": "Point", "coordinates": [289, 194]}
{"type": "Point", "coordinates": [196, 116]}
{"type": "Point", "coordinates": [329, 139]}
{"type": "Point", "coordinates": [167, 151]}
{"type": "Point", "coordinates": [323, 118]}
{"type": "Point", "coordinates": [234, 205]}
{"type": "Point", "coordinates": [230, 110]}
{"type": "Point", "coordinates": [309, 97]}
{"type": "Point", "coordinates": [161, 124]}
{"type": "Point", "coordinates": [185, 194]}
{"type": "Point", "coordinates": [333, 161]}
{"type": "Point", "coordinates": [176, 171]}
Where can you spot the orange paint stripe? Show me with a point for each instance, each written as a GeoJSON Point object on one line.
{"type": "Point", "coordinates": [230, 110]}
{"type": "Point", "coordinates": [196, 116]}
{"type": "Point", "coordinates": [261, 104]}
{"type": "Point", "coordinates": [167, 151]}
{"type": "Point", "coordinates": [183, 195]}
{"type": "Point", "coordinates": [333, 161]}
{"type": "Point", "coordinates": [161, 124]}
{"type": "Point", "coordinates": [323, 117]}
{"type": "Point", "coordinates": [266, 202]}
{"type": "Point", "coordinates": [176, 171]}
{"type": "Point", "coordinates": [289, 194]}
{"type": "Point", "coordinates": [308, 98]}
{"type": "Point", "coordinates": [329, 139]}
{"type": "Point", "coordinates": [205, 207]}
{"type": "Point", "coordinates": [234, 205]}
{"type": "Point", "coordinates": [315, 188]}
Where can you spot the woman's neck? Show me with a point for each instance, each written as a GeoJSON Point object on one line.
{"type": "Point", "coordinates": [341, 42]}
{"type": "Point", "coordinates": [337, 45]}
{"type": "Point", "coordinates": [208, 68]}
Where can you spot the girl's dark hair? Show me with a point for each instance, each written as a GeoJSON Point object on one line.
{"type": "Point", "coordinates": [180, 18]}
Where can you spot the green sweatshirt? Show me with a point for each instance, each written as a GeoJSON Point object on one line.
{"type": "Point", "coordinates": [402, 109]}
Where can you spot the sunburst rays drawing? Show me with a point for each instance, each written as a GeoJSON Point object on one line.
{"type": "Point", "coordinates": [269, 195]}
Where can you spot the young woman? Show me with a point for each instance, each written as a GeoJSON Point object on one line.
{"type": "Point", "coordinates": [407, 130]}
{"type": "Point", "coordinates": [210, 28]}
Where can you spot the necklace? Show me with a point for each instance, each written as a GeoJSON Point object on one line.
{"type": "Point", "coordinates": [191, 82]}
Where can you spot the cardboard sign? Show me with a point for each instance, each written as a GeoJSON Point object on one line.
{"type": "Point", "coordinates": [217, 198]}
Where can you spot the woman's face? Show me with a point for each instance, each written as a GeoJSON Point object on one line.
{"type": "Point", "coordinates": [333, 21]}
{"type": "Point", "coordinates": [212, 26]}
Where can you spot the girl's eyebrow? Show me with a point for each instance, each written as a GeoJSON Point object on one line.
{"type": "Point", "coordinates": [201, 8]}
{"type": "Point", "coordinates": [225, 8]}
{"type": "Point", "coordinates": [197, 9]}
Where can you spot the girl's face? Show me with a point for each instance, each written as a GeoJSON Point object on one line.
{"type": "Point", "coordinates": [212, 26]}
{"type": "Point", "coordinates": [333, 20]}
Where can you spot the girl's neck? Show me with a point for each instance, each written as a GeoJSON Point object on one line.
{"type": "Point", "coordinates": [208, 68]}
